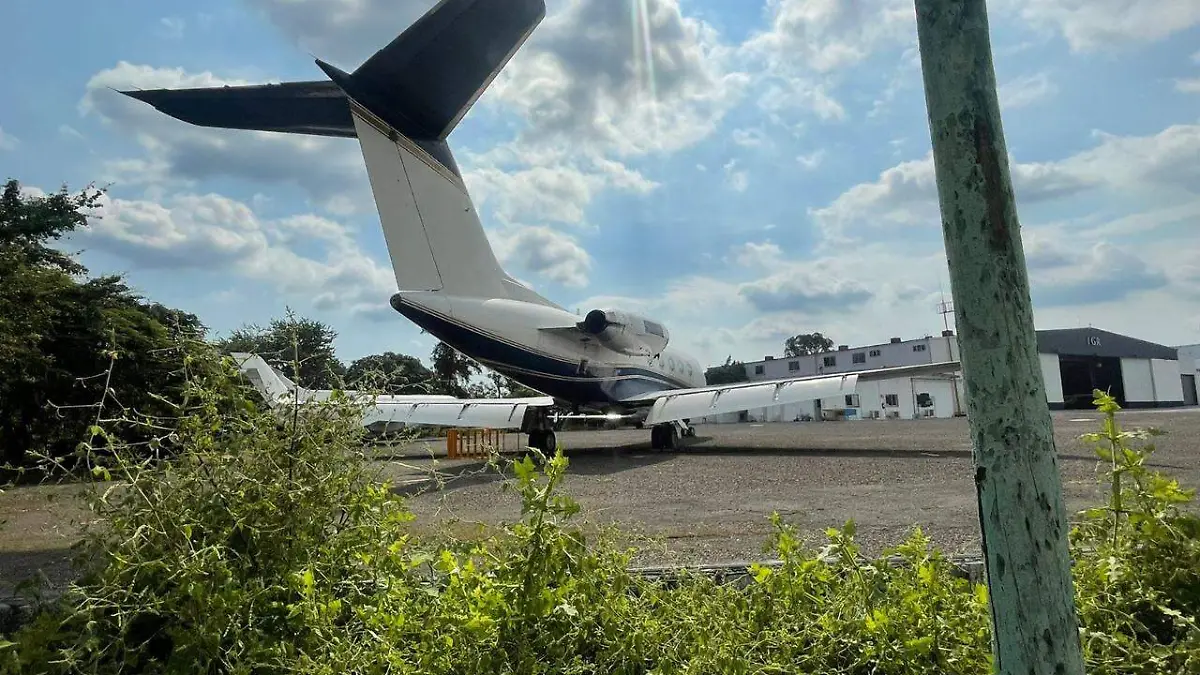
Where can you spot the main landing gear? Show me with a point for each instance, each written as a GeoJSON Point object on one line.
{"type": "Point", "coordinates": [540, 427]}
{"type": "Point", "coordinates": [666, 436]}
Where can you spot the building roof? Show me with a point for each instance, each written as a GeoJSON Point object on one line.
{"type": "Point", "coordinates": [1097, 342]}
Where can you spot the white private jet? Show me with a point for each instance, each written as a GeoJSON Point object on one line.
{"type": "Point", "coordinates": [401, 105]}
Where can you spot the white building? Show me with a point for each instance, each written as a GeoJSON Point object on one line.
{"type": "Point", "coordinates": [900, 397]}
{"type": "Point", "coordinates": [1189, 367]}
{"type": "Point", "coordinates": [1074, 361]}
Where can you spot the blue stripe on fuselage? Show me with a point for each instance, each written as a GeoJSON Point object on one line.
{"type": "Point", "coordinates": [552, 376]}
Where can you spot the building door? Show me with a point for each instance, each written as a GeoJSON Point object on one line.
{"type": "Point", "coordinates": [1082, 374]}
{"type": "Point", "coordinates": [1189, 389]}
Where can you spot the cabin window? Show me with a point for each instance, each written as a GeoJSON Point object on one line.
{"type": "Point", "coordinates": [830, 361]}
{"type": "Point", "coordinates": [654, 329]}
{"type": "Point", "coordinates": [860, 357]}
{"type": "Point", "coordinates": [793, 365]}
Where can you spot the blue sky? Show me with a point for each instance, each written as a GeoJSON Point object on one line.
{"type": "Point", "coordinates": [769, 174]}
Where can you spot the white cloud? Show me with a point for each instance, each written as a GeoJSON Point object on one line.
{"type": "Point", "coordinates": [548, 194]}
{"type": "Point", "coordinates": [171, 27]}
{"type": "Point", "coordinates": [1066, 270]}
{"type": "Point", "coordinates": [737, 179]}
{"type": "Point", "coordinates": [906, 194]}
{"type": "Point", "coordinates": [584, 79]}
{"type": "Point", "coordinates": [214, 233]}
{"type": "Point", "coordinates": [750, 138]}
{"type": "Point", "coordinates": [757, 255]}
{"type": "Point", "coordinates": [811, 160]}
{"type": "Point", "coordinates": [809, 42]}
{"type": "Point", "coordinates": [1188, 85]}
{"type": "Point", "coordinates": [822, 36]}
{"type": "Point", "coordinates": [68, 131]}
{"type": "Point", "coordinates": [1026, 90]}
{"type": "Point", "coordinates": [8, 141]}
{"type": "Point", "coordinates": [811, 288]}
{"type": "Point", "coordinates": [1099, 24]}
{"type": "Point", "coordinates": [177, 154]}
{"type": "Point", "coordinates": [553, 255]}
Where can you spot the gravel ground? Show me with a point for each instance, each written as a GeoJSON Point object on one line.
{"type": "Point", "coordinates": [709, 502]}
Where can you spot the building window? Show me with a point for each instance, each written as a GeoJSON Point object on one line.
{"type": "Point", "coordinates": [891, 400]}
{"type": "Point", "coordinates": [860, 357]}
{"type": "Point", "coordinates": [793, 365]}
{"type": "Point", "coordinates": [919, 348]}
{"type": "Point", "coordinates": [875, 353]}
{"type": "Point", "coordinates": [830, 361]}
{"type": "Point", "coordinates": [851, 400]}
{"type": "Point", "coordinates": [758, 370]}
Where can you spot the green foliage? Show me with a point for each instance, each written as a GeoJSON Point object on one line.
{"type": "Point", "coordinates": [391, 373]}
{"type": "Point", "coordinates": [806, 343]}
{"type": "Point", "coordinates": [59, 332]}
{"type": "Point", "coordinates": [1137, 573]}
{"type": "Point", "coordinates": [453, 370]}
{"type": "Point", "coordinates": [732, 371]}
{"type": "Point", "coordinates": [271, 547]}
{"type": "Point", "coordinates": [300, 347]}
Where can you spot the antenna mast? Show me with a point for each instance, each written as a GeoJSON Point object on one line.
{"type": "Point", "coordinates": [945, 307]}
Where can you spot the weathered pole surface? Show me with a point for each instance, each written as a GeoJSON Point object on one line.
{"type": "Point", "coordinates": [1017, 480]}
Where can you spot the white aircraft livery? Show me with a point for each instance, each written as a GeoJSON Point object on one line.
{"type": "Point", "coordinates": [401, 104]}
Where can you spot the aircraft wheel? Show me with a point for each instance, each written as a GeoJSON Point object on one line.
{"type": "Point", "coordinates": [664, 437]}
{"type": "Point", "coordinates": [547, 443]}
{"type": "Point", "coordinates": [537, 438]}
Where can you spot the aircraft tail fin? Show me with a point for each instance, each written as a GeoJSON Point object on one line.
{"type": "Point", "coordinates": [405, 100]}
{"type": "Point", "coordinates": [272, 384]}
{"type": "Point", "coordinates": [402, 103]}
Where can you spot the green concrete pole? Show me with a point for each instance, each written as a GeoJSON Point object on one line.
{"type": "Point", "coordinates": [1017, 480]}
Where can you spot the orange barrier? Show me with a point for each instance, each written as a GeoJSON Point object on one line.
{"type": "Point", "coordinates": [476, 443]}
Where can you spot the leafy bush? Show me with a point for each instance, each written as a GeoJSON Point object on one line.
{"type": "Point", "coordinates": [59, 331]}
{"type": "Point", "coordinates": [271, 547]}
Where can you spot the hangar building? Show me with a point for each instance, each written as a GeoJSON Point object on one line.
{"type": "Point", "coordinates": [1189, 366]}
{"type": "Point", "coordinates": [1074, 361]}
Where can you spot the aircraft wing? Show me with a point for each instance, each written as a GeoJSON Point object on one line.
{"type": "Point", "coordinates": [429, 409]}
{"type": "Point", "coordinates": [670, 405]}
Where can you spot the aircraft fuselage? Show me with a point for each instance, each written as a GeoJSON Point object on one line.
{"type": "Point", "coordinates": [509, 336]}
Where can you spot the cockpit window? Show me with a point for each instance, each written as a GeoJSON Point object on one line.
{"type": "Point", "coordinates": [654, 329]}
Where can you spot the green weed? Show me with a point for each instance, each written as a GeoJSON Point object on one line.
{"type": "Point", "coordinates": [270, 546]}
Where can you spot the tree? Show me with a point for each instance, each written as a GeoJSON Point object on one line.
{"type": "Point", "coordinates": [806, 343]}
{"type": "Point", "coordinates": [285, 341]}
{"type": "Point", "coordinates": [391, 372]}
{"type": "Point", "coordinates": [506, 387]}
{"type": "Point", "coordinates": [732, 371]}
{"type": "Point", "coordinates": [67, 342]}
{"type": "Point", "coordinates": [453, 370]}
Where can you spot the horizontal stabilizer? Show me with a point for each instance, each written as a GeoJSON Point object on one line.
{"type": "Point", "coordinates": [421, 84]}
{"type": "Point", "coordinates": [314, 108]}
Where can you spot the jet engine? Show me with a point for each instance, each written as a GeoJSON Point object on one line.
{"type": "Point", "coordinates": [626, 332]}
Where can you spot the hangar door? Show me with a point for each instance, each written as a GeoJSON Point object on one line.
{"type": "Point", "coordinates": [1082, 374]}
